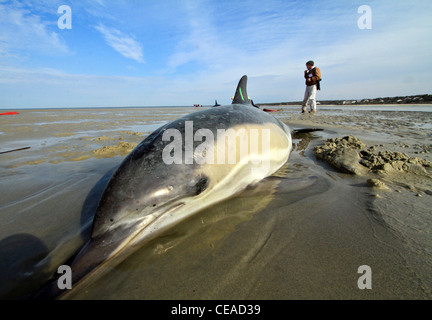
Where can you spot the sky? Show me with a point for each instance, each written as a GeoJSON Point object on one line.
{"type": "Point", "coordinates": [122, 53]}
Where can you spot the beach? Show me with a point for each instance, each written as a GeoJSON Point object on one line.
{"type": "Point", "coordinates": [357, 193]}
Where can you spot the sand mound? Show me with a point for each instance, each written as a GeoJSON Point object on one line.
{"type": "Point", "coordinates": [343, 154]}
{"type": "Point", "coordinates": [351, 155]}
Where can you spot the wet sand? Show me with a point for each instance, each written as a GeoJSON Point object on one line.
{"type": "Point", "coordinates": [300, 234]}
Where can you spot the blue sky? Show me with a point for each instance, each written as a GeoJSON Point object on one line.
{"type": "Point", "coordinates": [170, 53]}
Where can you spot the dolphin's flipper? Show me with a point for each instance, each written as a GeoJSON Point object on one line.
{"type": "Point", "coordinates": [241, 96]}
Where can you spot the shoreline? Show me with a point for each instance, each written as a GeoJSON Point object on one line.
{"type": "Point", "coordinates": [422, 99]}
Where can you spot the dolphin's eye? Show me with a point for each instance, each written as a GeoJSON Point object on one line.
{"type": "Point", "coordinates": [200, 185]}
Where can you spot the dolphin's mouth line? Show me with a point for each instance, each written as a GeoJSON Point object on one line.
{"type": "Point", "coordinates": [170, 209]}
{"type": "Point", "coordinates": [140, 229]}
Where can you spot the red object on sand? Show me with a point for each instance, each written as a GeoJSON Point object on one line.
{"type": "Point", "coordinates": [270, 110]}
{"type": "Point", "coordinates": [8, 113]}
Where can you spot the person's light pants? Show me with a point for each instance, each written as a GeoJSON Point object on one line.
{"type": "Point", "coordinates": [309, 98]}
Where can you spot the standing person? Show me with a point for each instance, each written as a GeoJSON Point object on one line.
{"type": "Point", "coordinates": [313, 77]}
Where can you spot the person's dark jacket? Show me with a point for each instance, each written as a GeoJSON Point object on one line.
{"type": "Point", "coordinates": [316, 76]}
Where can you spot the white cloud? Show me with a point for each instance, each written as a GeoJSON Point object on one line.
{"type": "Point", "coordinates": [22, 30]}
{"type": "Point", "coordinates": [122, 43]}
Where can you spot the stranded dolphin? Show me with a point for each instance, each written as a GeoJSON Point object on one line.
{"type": "Point", "coordinates": [181, 168]}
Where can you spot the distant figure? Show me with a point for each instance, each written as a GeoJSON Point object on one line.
{"type": "Point", "coordinates": [216, 104]}
{"type": "Point", "coordinates": [313, 77]}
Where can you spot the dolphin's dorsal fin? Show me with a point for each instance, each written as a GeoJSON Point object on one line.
{"type": "Point", "coordinates": [241, 96]}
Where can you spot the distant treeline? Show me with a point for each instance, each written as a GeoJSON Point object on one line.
{"type": "Point", "coordinates": [417, 99]}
